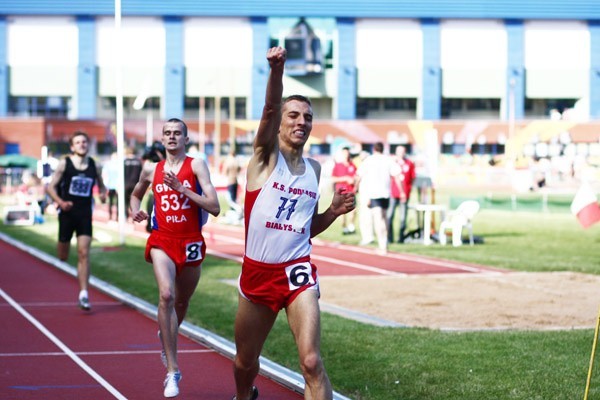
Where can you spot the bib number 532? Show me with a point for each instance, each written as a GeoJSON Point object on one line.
{"type": "Point", "coordinates": [299, 275]}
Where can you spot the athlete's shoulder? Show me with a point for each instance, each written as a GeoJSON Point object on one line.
{"type": "Point", "coordinates": [316, 166]}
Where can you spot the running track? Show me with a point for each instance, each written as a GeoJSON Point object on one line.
{"type": "Point", "coordinates": [333, 259]}
{"type": "Point", "coordinates": [49, 349]}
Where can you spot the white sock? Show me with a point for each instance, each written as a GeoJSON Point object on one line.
{"type": "Point", "coordinates": [82, 294]}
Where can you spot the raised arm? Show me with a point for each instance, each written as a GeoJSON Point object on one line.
{"type": "Point", "coordinates": [266, 141]}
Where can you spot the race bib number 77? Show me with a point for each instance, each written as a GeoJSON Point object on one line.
{"type": "Point", "coordinates": [299, 275]}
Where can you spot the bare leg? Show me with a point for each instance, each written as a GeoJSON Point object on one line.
{"type": "Point", "coordinates": [253, 322]}
{"type": "Point", "coordinates": [185, 283]}
{"type": "Point", "coordinates": [62, 250]}
{"type": "Point", "coordinates": [305, 323]}
{"type": "Point", "coordinates": [83, 261]}
{"type": "Point", "coordinates": [164, 272]}
{"type": "Point", "coordinates": [379, 224]}
{"type": "Point", "coordinates": [365, 221]}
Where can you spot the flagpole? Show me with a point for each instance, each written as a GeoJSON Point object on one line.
{"type": "Point", "coordinates": [589, 377]}
{"type": "Point", "coordinates": [119, 125]}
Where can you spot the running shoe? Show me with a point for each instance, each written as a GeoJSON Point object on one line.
{"type": "Point", "coordinates": [163, 354]}
{"type": "Point", "coordinates": [84, 304]}
{"type": "Point", "coordinates": [254, 394]}
{"type": "Point", "coordinates": [172, 384]}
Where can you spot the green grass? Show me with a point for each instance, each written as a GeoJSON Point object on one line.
{"type": "Point", "coordinates": [366, 362]}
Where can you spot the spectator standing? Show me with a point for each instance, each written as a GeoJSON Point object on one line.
{"type": "Point", "coordinates": [343, 177]}
{"type": "Point", "coordinates": [400, 191]}
{"type": "Point", "coordinates": [365, 221]}
{"type": "Point", "coordinates": [133, 169]}
{"type": "Point", "coordinates": [71, 188]}
{"type": "Point", "coordinates": [231, 169]}
{"type": "Point", "coordinates": [374, 177]}
{"type": "Point", "coordinates": [110, 174]}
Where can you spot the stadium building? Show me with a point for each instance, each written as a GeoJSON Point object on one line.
{"type": "Point", "coordinates": [477, 73]}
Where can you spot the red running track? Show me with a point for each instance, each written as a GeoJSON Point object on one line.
{"type": "Point", "coordinates": [334, 259]}
{"type": "Point", "coordinates": [49, 349]}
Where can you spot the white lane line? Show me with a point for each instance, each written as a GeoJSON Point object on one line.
{"type": "Point", "coordinates": [404, 257]}
{"type": "Point", "coordinates": [407, 257]}
{"type": "Point", "coordinates": [101, 353]}
{"type": "Point", "coordinates": [62, 346]}
{"type": "Point", "coordinates": [213, 235]}
{"type": "Point", "coordinates": [335, 261]}
{"type": "Point", "coordinates": [350, 264]}
{"type": "Point", "coordinates": [64, 304]}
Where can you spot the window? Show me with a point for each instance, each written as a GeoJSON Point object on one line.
{"type": "Point", "coordinates": [53, 106]}
{"type": "Point", "coordinates": [385, 107]}
{"type": "Point", "coordinates": [192, 106]}
{"type": "Point", "coordinates": [470, 108]}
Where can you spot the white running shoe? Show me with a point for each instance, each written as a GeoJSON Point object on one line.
{"type": "Point", "coordinates": [172, 384]}
{"type": "Point", "coordinates": [84, 304]}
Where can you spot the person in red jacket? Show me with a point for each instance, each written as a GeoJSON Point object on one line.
{"type": "Point", "coordinates": [344, 176]}
{"type": "Point", "coordinates": [401, 188]}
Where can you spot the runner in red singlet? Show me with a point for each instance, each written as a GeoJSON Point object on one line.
{"type": "Point", "coordinates": [183, 195]}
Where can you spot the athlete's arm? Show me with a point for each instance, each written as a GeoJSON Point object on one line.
{"type": "Point", "coordinates": [51, 188]}
{"type": "Point", "coordinates": [209, 199]}
{"type": "Point", "coordinates": [342, 203]}
{"type": "Point", "coordinates": [266, 143]}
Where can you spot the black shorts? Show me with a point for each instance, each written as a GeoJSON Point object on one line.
{"type": "Point", "coordinates": [383, 202]}
{"type": "Point", "coordinates": [72, 221]}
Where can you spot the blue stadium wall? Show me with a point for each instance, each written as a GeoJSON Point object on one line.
{"type": "Point", "coordinates": [482, 9]}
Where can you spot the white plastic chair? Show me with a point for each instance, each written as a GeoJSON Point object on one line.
{"type": "Point", "coordinates": [458, 219]}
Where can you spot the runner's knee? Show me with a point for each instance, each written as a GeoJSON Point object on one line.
{"type": "Point", "coordinates": [166, 296]}
{"type": "Point", "coordinates": [245, 363]}
{"type": "Point", "coordinates": [311, 364]}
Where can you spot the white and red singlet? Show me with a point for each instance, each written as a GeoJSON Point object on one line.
{"type": "Point", "coordinates": [278, 216]}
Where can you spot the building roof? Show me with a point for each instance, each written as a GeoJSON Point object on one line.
{"type": "Point", "coordinates": [470, 9]}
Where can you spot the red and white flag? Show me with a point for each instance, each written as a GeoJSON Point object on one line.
{"type": "Point", "coordinates": [585, 206]}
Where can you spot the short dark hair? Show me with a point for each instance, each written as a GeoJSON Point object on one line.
{"type": "Point", "coordinates": [378, 147]}
{"type": "Point", "coordinates": [185, 128]}
{"type": "Point", "coordinates": [78, 133]}
{"type": "Point", "coordinates": [297, 97]}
